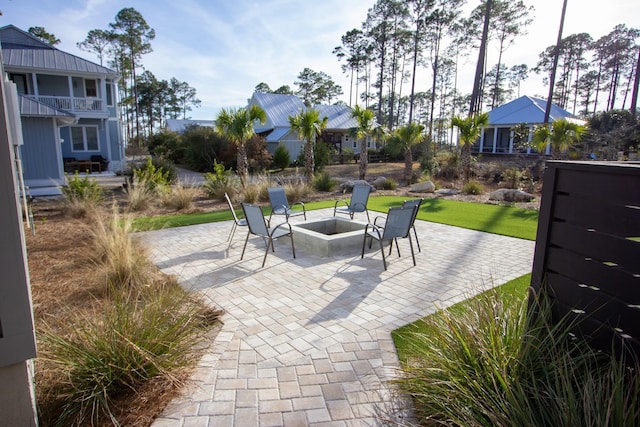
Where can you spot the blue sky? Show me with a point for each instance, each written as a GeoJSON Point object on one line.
{"type": "Point", "coordinates": [224, 48]}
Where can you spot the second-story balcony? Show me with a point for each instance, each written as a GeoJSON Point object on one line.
{"type": "Point", "coordinates": [73, 105]}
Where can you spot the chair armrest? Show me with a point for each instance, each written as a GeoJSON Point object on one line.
{"type": "Point", "coordinates": [274, 229]}
{"type": "Point", "coordinates": [298, 203]}
{"type": "Point", "coordinates": [375, 228]}
{"type": "Point", "coordinates": [375, 221]}
{"type": "Point", "coordinates": [340, 201]}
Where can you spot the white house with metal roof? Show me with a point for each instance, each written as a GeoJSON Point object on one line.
{"type": "Point", "coordinates": [277, 130]}
{"type": "Point", "coordinates": [497, 138]}
{"type": "Point", "coordinates": [68, 111]}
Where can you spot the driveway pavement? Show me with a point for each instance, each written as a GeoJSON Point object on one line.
{"type": "Point", "coordinates": [307, 341]}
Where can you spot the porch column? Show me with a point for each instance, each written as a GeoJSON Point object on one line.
{"type": "Point", "coordinates": [481, 141]}
{"type": "Point", "coordinates": [529, 139]}
{"type": "Point", "coordinates": [495, 139]}
{"type": "Point", "coordinates": [511, 133]}
{"type": "Point", "coordinates": [34, 83]}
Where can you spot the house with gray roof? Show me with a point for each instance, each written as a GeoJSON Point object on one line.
{"type": "Point", "coordinates": [497, 138]}
{"type": "Point", "coordinates": [277, 131]}
{"type": "Point", "coordinates": [68, 111]}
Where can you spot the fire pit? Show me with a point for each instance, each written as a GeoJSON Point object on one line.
{"type": "Point", "coordinates": [329, 237]}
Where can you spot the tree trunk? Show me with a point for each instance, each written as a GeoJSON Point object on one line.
{"type": "Point", "coordinates": [309, 161]}
{"type": "Point", "coordinates": [243, 164]}
{"type": "Point", "coordinates": [475, 105]}
{"type": "Point", "coordinates": [408, 166]}
{"type": "Point", "coordinates": [634, 94]}
{"type": "Point", "coordinates": [465, 160]}
{"type": "Point", "coordinates": [364, 158]}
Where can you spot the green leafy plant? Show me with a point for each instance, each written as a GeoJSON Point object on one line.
{"type": "Point", "coordinates": [82, 196]}
{"type": "Point", "coordinates": [472, 187]}
{"type": "Point", "coordinates": [281, 158]}
{"type": "Point", "coordinates": [84, 188]}
{"type": "Point", "coordinates": [513, 178]}
{"type": "Point", "coordinates": [390, 184]}
{"type": "Point", "coordinates": [155, 174]}
{"type": "Point", "coordinates": [221, 181]}
{"type": "Point", "coordinates": [324, 182]}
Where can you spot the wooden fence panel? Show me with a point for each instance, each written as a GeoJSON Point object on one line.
{"type": "Point", "coordinates": [588, 250]}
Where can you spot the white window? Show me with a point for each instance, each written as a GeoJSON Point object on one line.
{"type": "Point", "coordinates": [84, 138]}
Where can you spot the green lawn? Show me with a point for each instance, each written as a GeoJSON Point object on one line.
{"type": "Point", "coordinates": [405, 336]}
{"type": "Point", "coordinates": [505, 220]}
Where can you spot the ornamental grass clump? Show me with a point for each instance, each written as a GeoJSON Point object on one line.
{"type": "Point", "coordinates": [489, 364]}
{"type": "Point", "coordinates": [178, 196]}
{"type": "Point", "coordinates": [155, 331]}
{"type": "Point", "coordinates": [123, 261]}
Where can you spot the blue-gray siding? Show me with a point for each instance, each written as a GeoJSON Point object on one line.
{"type": "Point", "coordinates": [39, 152]}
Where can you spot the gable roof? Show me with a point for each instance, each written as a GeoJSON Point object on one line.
{"type": "Point", "coordinates": [278, 107]}
{"type": "Point", "coordinates": [340, 116]}
{"type": "Point", "coordinates": [526, 109]}
{"type": "Point", "coordinates": [21, 50]}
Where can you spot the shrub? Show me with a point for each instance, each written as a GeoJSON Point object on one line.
{"type": "Point", "coordinates": [203, 145]}
{"type": "Point", "coordinates": [281, 158]}
{"type": "Point", "coordinates": [323, 182]}
{"type": "Point", "coordinates": [390, 184]}
{"type": "Point", "coordinates": [83, 189]}
{"type": "Point", "coordinates": [167, 145]}
{"type": "Point", "coordinates": [221, 181]}
{"type": "Point", "coordinates": [156, 172]}
{"type": "Point", "coordinates": [258, 155]}
{"type": "Point", "coordinates": [472, 187]}
{"type": "Point", "coordinates": [513, 177]}
{"type": "Point", "coordinates": [448, 164]}
{"type": "Point", "coordinates": [142, 335]}
{"type": "Point", "coordinates": [82, 196]}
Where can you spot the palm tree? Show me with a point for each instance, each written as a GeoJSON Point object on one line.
{"type": "Point", "coordinates": [469, 129]}
{"type": "Point", "coordinates": [237, 125]}
{"type": "Point", "coordinates": [406, 137]}
{"type": "Point", "coordinates": [366, 127]}
{"type": "Point", "coordinates": [308, 126]}
{"type": "Point", "coordinates": [561, 136]}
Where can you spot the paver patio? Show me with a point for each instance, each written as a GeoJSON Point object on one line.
{"type": "Point", "coordinates": [307, 341]}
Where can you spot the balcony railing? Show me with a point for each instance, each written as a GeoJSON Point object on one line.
{"type": "Point", "coordinates": [72, 104]}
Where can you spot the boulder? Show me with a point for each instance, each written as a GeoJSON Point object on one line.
{"type": "Point", "coordinates": [379, 182]}
{"type": "Point", "coordinates": [447, 192]}
{"type": "Point", "coordinates": [347, 186]}
{"type": "Point", "coordinates": [509, 195]}
{"type": "Point", "coordinates": [423, 187]}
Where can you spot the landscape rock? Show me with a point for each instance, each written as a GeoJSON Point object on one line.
{"type": "Point", "coordinates": [380, 182]}
{"type": "Point", "coordinates": [347, 186]}
{"type": "Point", "coordinates": [509, 195]}
{"type": "Point", "coordinates": [447, 192]}
{"type": "Point", "coordinates": [423, 187]}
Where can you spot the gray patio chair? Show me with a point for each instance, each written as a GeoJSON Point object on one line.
{"type": "Point", "coordinates": [237, 222]}
{"type": "Point", "coordinates": [280, 205]}
{"type": "Point", "coordinates": [357, 203]}
{"type": "Point", "coordinates": [397, 225]}
{"type": "Point", "coordinates": [416, 203]}
{"type": "Point", "coordinates": [258, 226]}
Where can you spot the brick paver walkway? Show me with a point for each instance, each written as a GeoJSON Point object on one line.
{"type": "Point", "coordinates": [307, 341]}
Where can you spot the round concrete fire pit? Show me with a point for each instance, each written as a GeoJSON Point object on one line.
{"type": "Point", "coordinates": [329, 237]}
